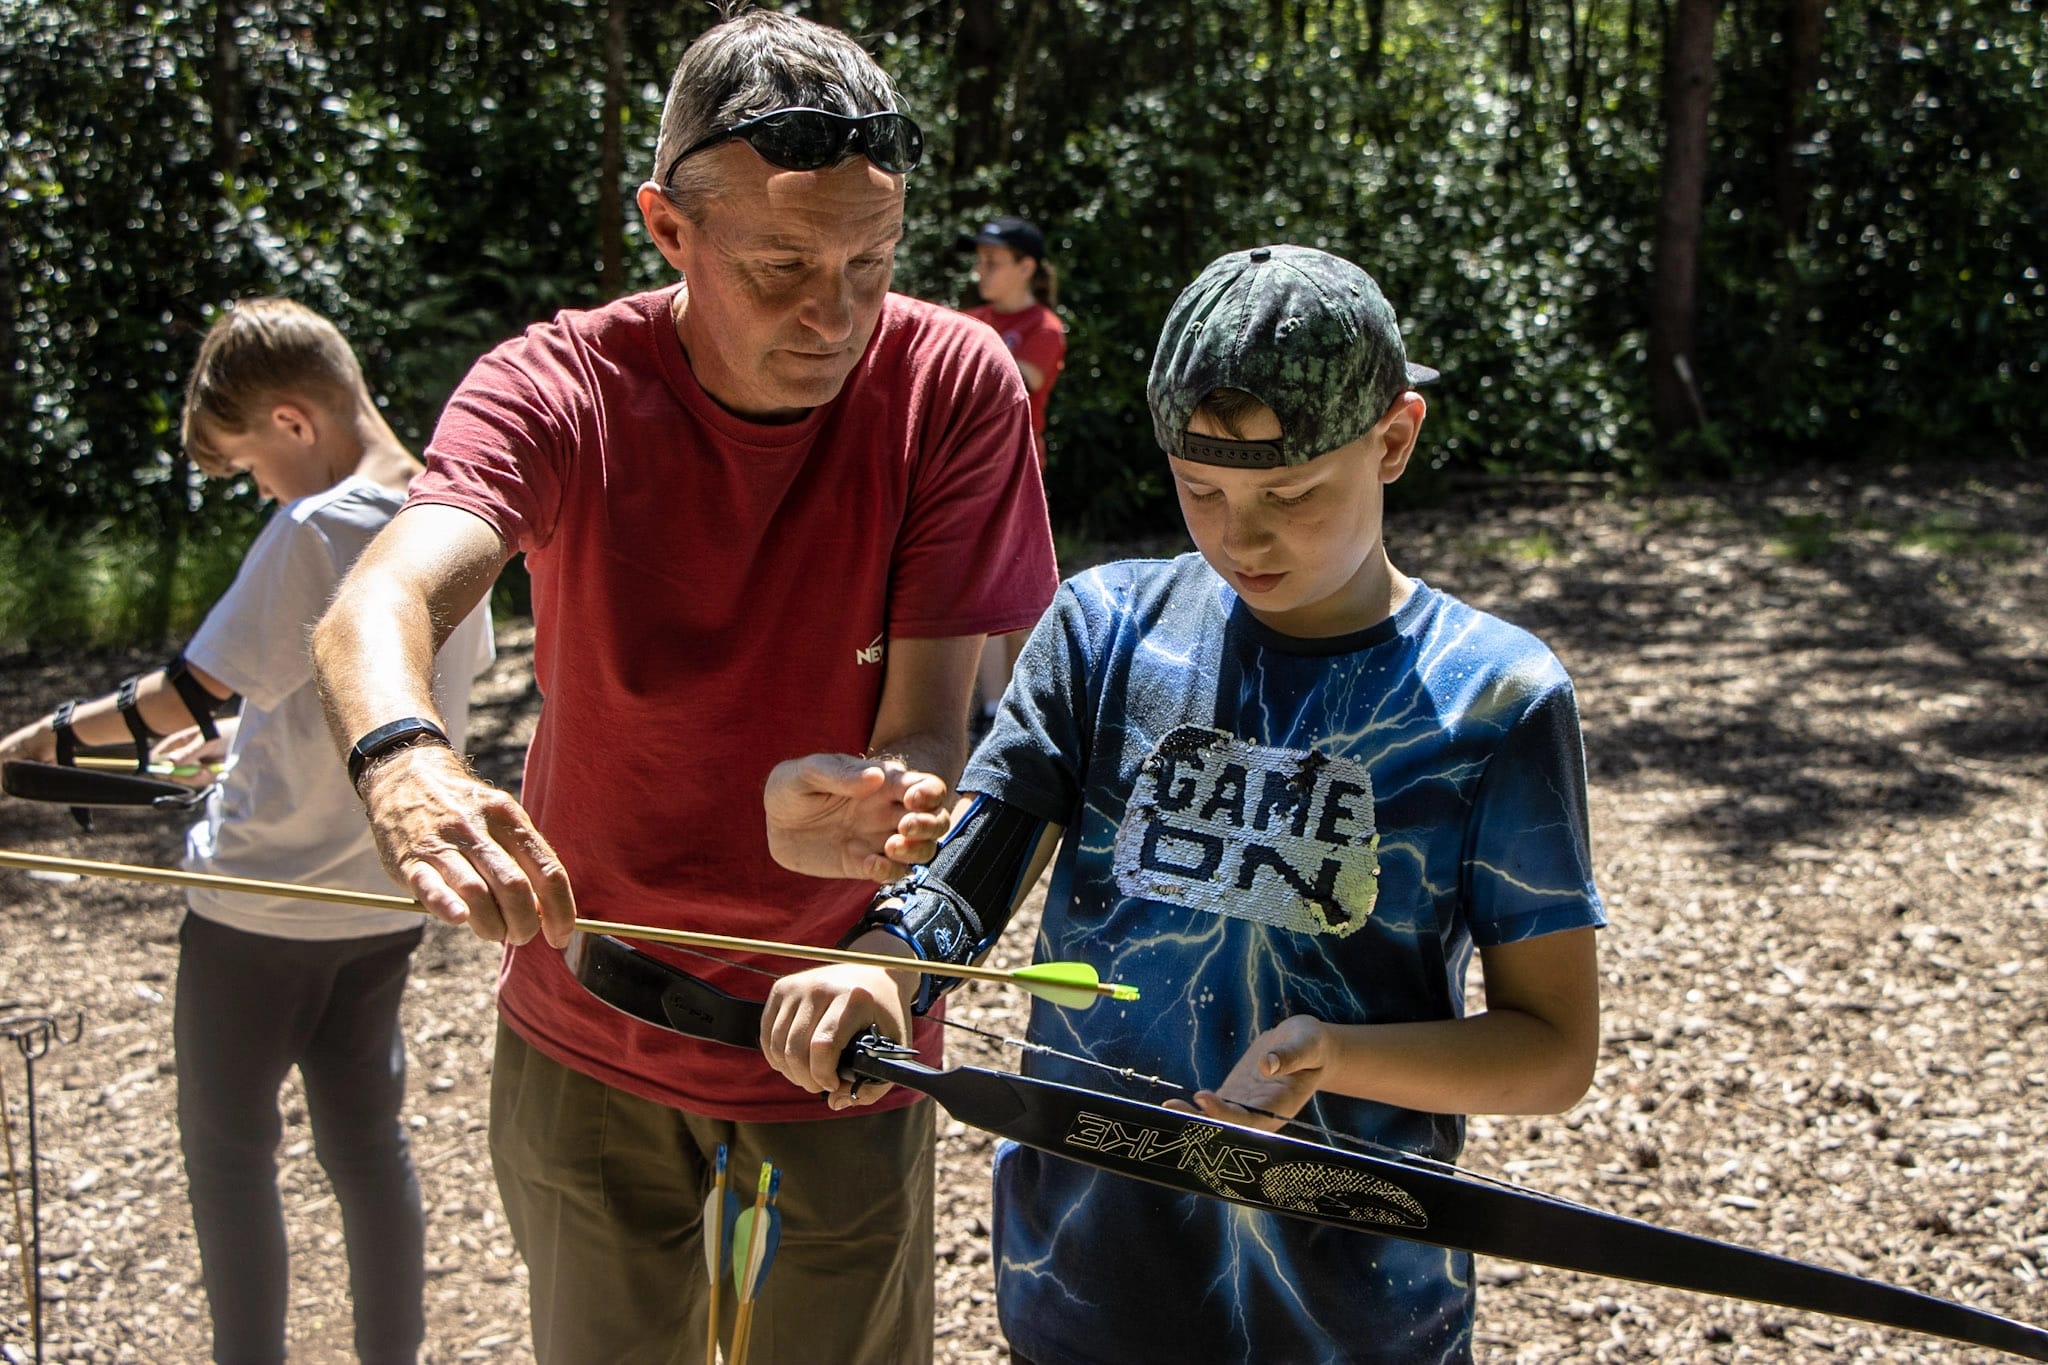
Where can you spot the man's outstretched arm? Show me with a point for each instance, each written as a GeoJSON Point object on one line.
{"type": "Point", "coordinates": [464, 849]}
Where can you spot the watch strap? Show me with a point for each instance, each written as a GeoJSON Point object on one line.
{"type": "Point", "coordinates": [390, 737]}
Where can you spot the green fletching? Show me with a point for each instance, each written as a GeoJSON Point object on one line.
{"type": "Point", "coordinates": [756, 1236]}
{"type": "Point", "coordinates": [1070, 985]}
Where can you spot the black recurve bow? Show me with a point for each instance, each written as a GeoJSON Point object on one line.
{"type": "Point", "coordinates": [1380, 1192]}
{"type": "Point", "coordinates": [87, 789]}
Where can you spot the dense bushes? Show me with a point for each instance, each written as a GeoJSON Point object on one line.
{"type": "Point", "coordinates": [428, 175]}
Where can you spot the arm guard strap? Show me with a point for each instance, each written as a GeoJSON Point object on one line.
{"type": "Point", "coordinates": [131, 715]}
{"type": "Point", "coordinates": [202, 704]}
{"type": "Point", "coordinates": [957, 906]}
{"type": "Point", "coordinates": [67, 755]}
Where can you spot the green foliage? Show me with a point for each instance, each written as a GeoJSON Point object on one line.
{"type": "Point", "coordinates": [1952, 535]}
{"type": "Point", "coordinates": [429, 176]}
{"type": "Point", "coordinates": [1906, 315]}
{"type": "Point", "coordinates": [98, 585]}
{"type": "Point", "coordinates": [1537, 548]}
{"type": "Point", "coordinates": [43, 597]}
{"type": "Point", "coordinates": [1804, 537]}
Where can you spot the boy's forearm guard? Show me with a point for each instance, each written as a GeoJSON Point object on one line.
{"type": "Point", "coordinates": [955, 908]}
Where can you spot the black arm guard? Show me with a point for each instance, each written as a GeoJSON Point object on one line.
{"type": "Point", "coordinates": [955, 908]}
{"type": "Point", "coordinates": [202, 704]}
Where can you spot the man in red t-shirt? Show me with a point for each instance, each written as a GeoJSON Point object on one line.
{"type": "Point", "coordinates": [771, 511]}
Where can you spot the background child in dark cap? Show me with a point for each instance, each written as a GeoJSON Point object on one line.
{"type": "Point", "coordinates": [1292, 789]}
{"type": "Point", "coordinates": [1018, 289]}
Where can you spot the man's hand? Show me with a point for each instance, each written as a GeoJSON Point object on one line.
{"type": "Point", "coordinates": [465, 850]}
{"type": "Point", "coordinates": [836, 815]}
{"type": "Point", "coordinates": [32, 743]}
{"type": "Point", "coordinates": [811, 1016]}
{"type": "Point", "coordinates": [1280, 1073]}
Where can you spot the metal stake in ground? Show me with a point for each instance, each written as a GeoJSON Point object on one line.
{"type": "Point", "coordinates": [34, 1034]}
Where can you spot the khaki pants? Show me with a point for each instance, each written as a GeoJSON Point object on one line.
{"type": "Point", "coordinates": [605, 1194]}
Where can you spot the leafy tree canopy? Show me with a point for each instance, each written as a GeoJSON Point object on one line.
{"type": "Point", "coordinates": [428, 174]}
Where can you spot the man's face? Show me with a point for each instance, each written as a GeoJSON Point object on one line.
{"type": "Point", "coordinates": [785, 278]}
{"type": "Point", "coordinates": [1300, 544]}
{"type": "Point", "coordinates": [1000, 273]}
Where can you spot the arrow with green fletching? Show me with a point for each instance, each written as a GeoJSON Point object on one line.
{"type": "Point", "coordinates": [154, 768]}
{"type": "Point", "coordinates": [756, 1236]}
{"type": "Point", "coordinates": [1070, 985]}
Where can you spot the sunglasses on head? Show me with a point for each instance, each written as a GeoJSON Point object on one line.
{"type": "Point", "coordinates": [813, 139]}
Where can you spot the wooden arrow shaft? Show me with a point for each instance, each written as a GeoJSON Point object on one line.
{"type": "Point", "coordinates": [690, 938]}
{"type": "Point", "coordinates": [155, 769]}
{"type": "Point", "coordinates": [213, 881]}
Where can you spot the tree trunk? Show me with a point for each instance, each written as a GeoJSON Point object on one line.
{"type": "Point", "coordinates": [1518, 59]}
{"type": "Point", "coordinates": [611, 211]}
{"type": "Point", "coordinates": [1578, 37]}
{"type": "Point", "coordinates": [173, 509]}
{"type": "Point", "coordinates": [977, 47]}
{"type": "Point", "coordinates": [1019, 84]}
{"type": "Point", "coordinates": [1803, 19]}
{"type": "Point", "coordinates": [1675, 405]}
{"type": "Point", "coordinates": [1375, 35]}
{"type": "Point", "coordinates": [224, 89]}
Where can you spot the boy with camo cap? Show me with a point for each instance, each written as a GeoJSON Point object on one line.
{"type": "Point", "coordinates": [1290, 789]}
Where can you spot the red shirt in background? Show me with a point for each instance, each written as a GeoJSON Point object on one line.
{"type": "Point", "coordinates": [712, 596]}
{"type": "Point", "coordinates": [1038, 337]}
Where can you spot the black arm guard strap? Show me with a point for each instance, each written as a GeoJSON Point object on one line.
{"type": "Point", "coordinates": [131, 714]}
{"type": "Point", "coordinates": [67, 755]}
{"type": "Point", "coordinates": [67, 739]}
{"type": "Point", "coordinates": [957, 906]}
{"type": "Point", "coordinates": [202, 704]}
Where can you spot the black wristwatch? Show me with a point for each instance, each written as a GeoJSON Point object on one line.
{"type": "Point", "coordinates": [399, 734]}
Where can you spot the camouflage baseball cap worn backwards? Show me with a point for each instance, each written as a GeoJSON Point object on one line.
{"type": "Point", "coordinates": [1306, 333]}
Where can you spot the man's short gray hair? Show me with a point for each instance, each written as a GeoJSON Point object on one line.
{"type": "Point", "coordinates": [748, 65]}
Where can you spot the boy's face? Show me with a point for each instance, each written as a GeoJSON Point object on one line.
{"type": "Point", "coordinates": [280, 452]}
{"type": "Point", "coordinates": [1302, 544]}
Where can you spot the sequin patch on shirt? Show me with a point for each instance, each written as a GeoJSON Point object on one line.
{"type": "Point", "coordinates": [1285, 837]}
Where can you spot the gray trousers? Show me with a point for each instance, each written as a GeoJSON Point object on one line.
{"type": "Point", "coordinates": [249, 1008]}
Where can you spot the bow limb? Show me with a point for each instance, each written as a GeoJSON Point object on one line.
{"type": "Point", "coordinates": [1370, 1193]}
{"type": "Point", "coordinates": [1419, 1201]}
{"type": "Point", "coordinates": [89, 788]}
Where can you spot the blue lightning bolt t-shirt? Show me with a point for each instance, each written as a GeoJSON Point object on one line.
{"type": "Point", "coordinates": [1260, 826]}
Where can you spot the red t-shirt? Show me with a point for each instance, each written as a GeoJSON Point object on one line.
{"type": "Point", "coordinates": [1038, 337]}
{"type": "Point", "coordinates": [712, 596]}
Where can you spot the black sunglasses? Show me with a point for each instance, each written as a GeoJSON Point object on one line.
{"type": "Point", "coordinates": [812, 139]}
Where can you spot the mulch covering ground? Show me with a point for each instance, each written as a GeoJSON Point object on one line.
{"type": "Point", "coordinates": [1817, 729]}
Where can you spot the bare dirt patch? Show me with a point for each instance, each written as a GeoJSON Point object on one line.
{"type": "Point", "coordinates": [1818, 733]}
